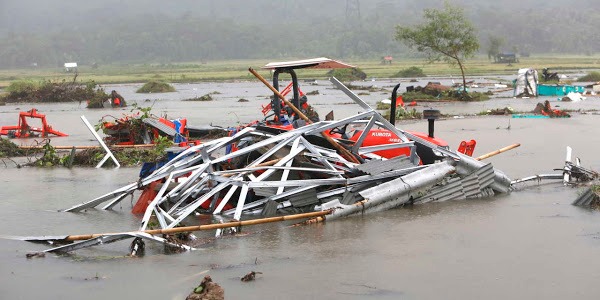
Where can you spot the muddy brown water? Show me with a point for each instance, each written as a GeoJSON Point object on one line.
{"type": "Point", "coordinates": [529, 244]}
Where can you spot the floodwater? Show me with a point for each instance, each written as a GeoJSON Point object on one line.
{"type": "Point", "coordinates": [530, 244]}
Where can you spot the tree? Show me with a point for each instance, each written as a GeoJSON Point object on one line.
{"type": "Point", "coordinates": [445, 36]}
{"type": "Point", "coordinates": [494, 46]}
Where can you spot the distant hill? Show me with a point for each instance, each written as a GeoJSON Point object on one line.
{"type": "Point", "coordinates": [50, 33]}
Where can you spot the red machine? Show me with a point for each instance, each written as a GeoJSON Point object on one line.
{"type": "Point", "coordinates": [23, 130]}
{"type": "Point", "coordinates": [376, 136]}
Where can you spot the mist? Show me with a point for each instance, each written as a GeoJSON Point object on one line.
{"type": "Point", "coordinates": [49, 33]}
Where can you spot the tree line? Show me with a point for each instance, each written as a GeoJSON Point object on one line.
{"type": "Point", "coordinates": [168, 38]}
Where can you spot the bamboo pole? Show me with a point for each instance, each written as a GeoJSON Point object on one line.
{"type": "Point", "coordinates": [89, 147]}
{"type": "Point", "coordinates": [337, 146]}
{"type": "Point", "coordinates": [498, 151]}
{"type": "Point", "coordinates": [208, 226]}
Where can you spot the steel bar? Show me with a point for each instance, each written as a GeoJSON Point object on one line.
{"type": "Point", "coordinates": [109, 154]}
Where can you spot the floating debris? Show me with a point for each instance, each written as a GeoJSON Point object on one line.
{"type": "Point", "coordinates": [207, 290]}
{"type": "Point", "coordinates": [589, 198]}
{"type": "Point", "coordinates": [206, 97]}
{"type": "Point", "coordinates": [250, 276]}
{"type": "Point", "coordinates": [35, 254]}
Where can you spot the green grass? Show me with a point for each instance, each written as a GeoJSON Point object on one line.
{"type": "Point", "coordinates": [592, 76]}
{"type": "Point", "coordinates": [238, 69]}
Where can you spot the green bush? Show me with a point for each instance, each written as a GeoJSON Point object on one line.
{"type": "Point", "coordinates": [51, 91]}
{"type": "Point", "coordinates": [156, 87]}
{"type": "Point", "coordinates": [592, 76]}
{"type": "Point", "coordinates": [22, 88]}
{"type": "Point", "coordinates": [404, 114]}
{"type": "Point", "coordinates": [452, 95]}
{"type": "Point", "coordinates": [410, 73]}
{"type": "Point", "coordinates": [350, 74]}
{"type": "Point", "coordinates": [9, 149]}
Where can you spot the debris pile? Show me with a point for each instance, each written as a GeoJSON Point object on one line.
{"type": "Point", "coordinates": [142, 128]}
{"type": "Point", "coordinates": [9, 149]}
{"type": "Point", "coordinates": [546, 109]}
{"type": "Point", "coordinates": [207, 290]}
{"type": "Point", "coordinates": [274, 171]}
{"type": "Point", "coordinates": [270, 172]}
{"type": "Point", "coordinates": [589, 198]}
{"type": "Point", "coordinates": [54, 91]}
{"type": "Point", "coordinates": [250, 276]}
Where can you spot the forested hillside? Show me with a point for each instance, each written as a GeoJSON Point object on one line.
{"type": "Point", "coordinates": [50, 33]}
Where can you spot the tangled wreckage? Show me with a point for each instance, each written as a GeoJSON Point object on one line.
{"type": "Point", "coordinates": [271, 171]}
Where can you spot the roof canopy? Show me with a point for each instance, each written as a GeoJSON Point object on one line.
{"type": "Point", "coordinates": [314, 63]}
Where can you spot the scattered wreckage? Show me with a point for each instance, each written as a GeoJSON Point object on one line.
{"type": "Point", "coordinates": [527, 85]}
{"type": "Point", "coordinates": [270, 172]}
{"type": "Point", "coordinates": [24, 130]}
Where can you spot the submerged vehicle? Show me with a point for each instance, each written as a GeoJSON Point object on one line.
{"type": "Point", "coordinates": [350, 133]}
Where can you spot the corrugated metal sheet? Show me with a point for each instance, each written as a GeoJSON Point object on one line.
{"type": "Point", "coordinates": [451, 190]}
{"type": "Point", "coordinates": [265, 191]}
{"type": "Point", "coordinates": [474, 185]}
{"type": "Point", "coordinates": [270, 209]}
{"type": "Point", "coordinates": [373, 167]}
{"type": "Point", "coordinates": [586, 199]}
{"type": "Point", "coordinates": [160, 126]}
{"type": "Point", "coordinates": [304, 198]}
{"type": "Point", "coordinates": [351, 194]}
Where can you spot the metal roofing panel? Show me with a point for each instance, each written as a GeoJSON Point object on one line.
{"type": "Point", "coordinates": [314, 63]}
{"type": "Point", "coordinates": [304, 198]}
{"type": "Point", "coordinates": [375, 166]}
{"type": "Point", "coordinates": [586, 199]}
{"type": "Point", "coordinates": [160, 126]}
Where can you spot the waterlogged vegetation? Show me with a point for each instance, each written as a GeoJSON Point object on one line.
{"type": "Point", "coordinates": [155, 86]}
{"type": "Point", "coordinates": [206, 97]}
{"type": "Point", "coordinates": [411, 72]}
{"type": "Point", "coordinates": [403, 113]}
{"type": "Point", "coordinates": [9, 149]}
{"type": "Point", "coordinates": [48, 156]}
{"type": "Point", "coordinates": [53, 91]}
{"type": "Point", "coordinates": [346, 75]}
{"type": "Point", "coordinates": [127, 157]}
{"type": "Point", "coordinates": [592, 76]}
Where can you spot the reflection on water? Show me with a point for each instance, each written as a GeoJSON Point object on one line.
{"type": "Point", "coordinates": [528, 244]}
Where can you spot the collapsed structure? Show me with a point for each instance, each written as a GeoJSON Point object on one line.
{"type": "Point", "coordinates": [324, 170]}
{"type": "Point", "coordinates": [276, 171]}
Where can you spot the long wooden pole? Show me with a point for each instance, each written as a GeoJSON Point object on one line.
{"type": "Point", "coordinates": [498, 151]}
{"type": "Point", "coordinates": [337, 146]}
{"type": "Point", "coordinates": [208, 226]}
{"type": "Point", "coordinates": [90, 147]}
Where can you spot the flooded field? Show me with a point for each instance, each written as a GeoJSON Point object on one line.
{"type": "Point", "coordinates": [529, 244]}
